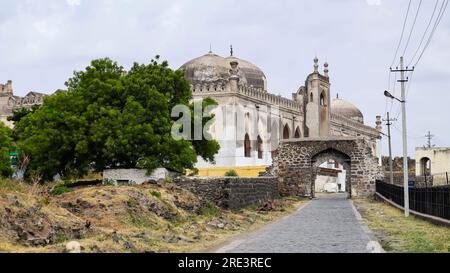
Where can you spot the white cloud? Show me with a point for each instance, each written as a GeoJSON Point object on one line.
{"type": "Point", "coordinates": [373, 2]}
{"type": "Point", "coordinates": [73, 3]}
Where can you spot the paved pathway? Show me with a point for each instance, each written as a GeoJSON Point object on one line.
{"type": "Point", "coordinates": [325, 225]}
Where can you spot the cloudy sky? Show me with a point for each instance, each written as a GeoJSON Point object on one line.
{"type": "Point", "coordinates": [43, 42]}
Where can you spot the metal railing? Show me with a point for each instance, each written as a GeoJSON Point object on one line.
{"type": "Point", "coordinates": [433, 201]}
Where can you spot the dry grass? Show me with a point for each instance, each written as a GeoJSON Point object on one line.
{"type": "Point", "coordinates": [399, 234]}
{"type": "Point", "coordinates": [124, 220]}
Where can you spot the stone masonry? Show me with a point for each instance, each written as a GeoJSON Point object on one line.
{"type": "Point", "coordinates": [299, 160]}
{"type": "Point", "coordinates": [231, 192]}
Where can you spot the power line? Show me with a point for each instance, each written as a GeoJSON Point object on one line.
{"type": "Point", "coordinates": [425, 33]}
{"type": "Point", "coordinates": [394, 125]}
{"type": "Point", "coordinates": [403, 32]}
{"type": "Point", "coordinates": [436, 24]}
{"type": "Point", "coordinates": [412, 28]}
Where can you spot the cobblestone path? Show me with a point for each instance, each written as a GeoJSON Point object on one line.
{"type": "Point", "coordinates": [325, 225]}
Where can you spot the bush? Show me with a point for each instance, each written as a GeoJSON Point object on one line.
{"type": "Point", "coordinates": [109, 182]}
{"type": "Point", "coordinates": [210, 209]}
{"type": "Point", "coordinates": [231, 173]}
{"type": "Point", "coordinates": [156, 194]}
{"type": "Point", "coordinates": [60, 190]}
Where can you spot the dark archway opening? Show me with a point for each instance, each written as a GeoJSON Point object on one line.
{"type": "Point", "coordinates": [260, 148]}
{"type": "Point", "coordinates": [286, 133]}
{"type": "Point", "coordinates": [247, 146]}
{"type": "Point", "coordinates": [425, 166]}
{"type": "Point", "coordinates": [297, 133]}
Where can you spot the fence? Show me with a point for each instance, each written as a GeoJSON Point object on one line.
{"type": "Point", "coordinates": [432, 200]}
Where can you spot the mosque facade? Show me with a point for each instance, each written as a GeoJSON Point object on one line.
{"type": "Point", "coordinates": [250, 121]}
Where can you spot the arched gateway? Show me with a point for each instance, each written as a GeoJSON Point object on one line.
{"type": "Point", "coordinates": [298, 163]}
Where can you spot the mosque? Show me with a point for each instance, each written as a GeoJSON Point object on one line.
{"type": "Point", "coordinates": [250, 121]}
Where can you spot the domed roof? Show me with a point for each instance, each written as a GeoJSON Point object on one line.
{"type": "Point", "coordinates": [212, 67]}
{"type": "Point", "coordinates": [253, 74]}
{"type": "Point", "coordinates": [346, 109]}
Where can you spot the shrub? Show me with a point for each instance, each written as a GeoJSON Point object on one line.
{"type": "Point", "coordinates": [210, 209]}
{"type": "Point", "coordinates": [109, 182]}
{"type": "Point", "coordinates": [60, 190]}
{"type": "Point", "coordinates": [194, 172]}
{"type": "Point", "coordinates": [231, 173]}
{"type": "Point", "coordinates": [156, 194]}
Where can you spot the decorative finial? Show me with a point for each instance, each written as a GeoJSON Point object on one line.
{"type": "Point", "coordinates": [337, 96]}
{"type": "Point", "coordinates": [231, 50]}
{"type": "Point", "coordinates": [210, 48]}
{"type": "Point", "coordinates": [316, 64]}
{"type": "Point", "coordinates": [326, 69]}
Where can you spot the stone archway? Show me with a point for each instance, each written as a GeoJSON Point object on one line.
{"type": "Point", "coordinates": [337, 156]}
{"type": "Point", "coordinates": [296, 165]}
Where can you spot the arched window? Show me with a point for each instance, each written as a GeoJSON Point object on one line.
{"type": "Point", "coordinates": [247, 146]}
{"type": "Point", "coordinates": [311, 97]}
{"type": "Point", "coordinates": [260, 148]}
{"type": "Point", "coordinates": [297, 133]}
{"type": "Point", "coordinates": [322, 99]}
{"type": "Point", "coordinates": [425, 166]}
{"type": "Point", "coordinates": [286, 134]}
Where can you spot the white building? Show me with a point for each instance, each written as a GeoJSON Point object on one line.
{"type": "Point", "coordinates": [250, 121]}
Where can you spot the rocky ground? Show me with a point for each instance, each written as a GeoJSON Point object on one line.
{"type": "Point", "coordinates": [147, 218]}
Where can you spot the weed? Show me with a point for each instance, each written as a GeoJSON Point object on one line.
{"type": "Point", "coordinates": [59, 190]}
{"type": "Point", "coordinates": [210, 209]}
{"type": "Point", "coordinates": [231, 173]}
{"type": "Point", "coordinates": [156, 194]}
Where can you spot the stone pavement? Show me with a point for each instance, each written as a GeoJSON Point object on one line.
{"type": "Point", "coordinates": [328, 224]}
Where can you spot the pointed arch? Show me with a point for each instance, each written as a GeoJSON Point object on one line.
{"type": "Point", "coordinates": [259, 144]}
{"type": "Point", "coordinates": [297, 133]}
{"type": "Point", "coordinates": [247, 146]}
{"type": "Point", "coordinates": [311, 97]}
{"type": "Point", "coordinates": [286, 132]}
{"type": "Point", "coordinates": [322, 99]}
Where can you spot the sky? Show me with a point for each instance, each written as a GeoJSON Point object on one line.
{"type": "Point", "coordinates": [43, 42]}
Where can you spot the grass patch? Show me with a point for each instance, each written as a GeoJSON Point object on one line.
{"type": "Point", "coordinates": [13, 185]}
{"type": "Point", "coordinates": [59, 190]}
{"type": "Point", "coordinates": [156, 194]}
{"type": "Point", "coordinates": [211, 210]}
{"type": "Point", "coordinates": [399, 234]}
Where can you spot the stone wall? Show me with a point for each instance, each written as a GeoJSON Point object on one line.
{"type": "Point", "coordinates": [397, 166]}
{"type": "Point", "coordinates": [298, 163]}
{"type": "Point", "coordinates": [231, 192]}
{"type": "Point", "coordinates": [137, 176]}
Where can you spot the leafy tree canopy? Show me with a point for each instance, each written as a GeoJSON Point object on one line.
{"type": "Point", "coordinates": [5, 146]}
{"type": "Point", "coordinates": [112, 118]}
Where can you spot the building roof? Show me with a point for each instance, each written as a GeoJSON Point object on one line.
{"type": "Point", "coordinates": [212, 68]}
{"type": "Point", "coordinates": [344, 108]}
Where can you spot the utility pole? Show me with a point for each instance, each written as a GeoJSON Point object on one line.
{"type": "Point", "coordinates": [429, 136]}
{"type": "Point", "coordinates": [389, 123]}
{"type": "Point", "coordinates": [403, 80]}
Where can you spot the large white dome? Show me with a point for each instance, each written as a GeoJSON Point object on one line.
{"type": "Point", "coordinates": [212, 68]}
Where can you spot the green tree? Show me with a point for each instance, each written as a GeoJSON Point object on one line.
{"type": "Point", "coordinates": [18, 114]}
{"type": "Point", "coordinates": [112, 118]}
{"type": "Point", "coordinates": [5, 146]}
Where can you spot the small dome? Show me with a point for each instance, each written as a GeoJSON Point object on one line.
{"type": "Point", "coordinates": [212, 68]}
{"type": "Point", "coordinates": [346, 109]}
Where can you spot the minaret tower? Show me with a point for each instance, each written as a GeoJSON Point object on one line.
{"type": "Point", "coordinates": [318, 102]}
